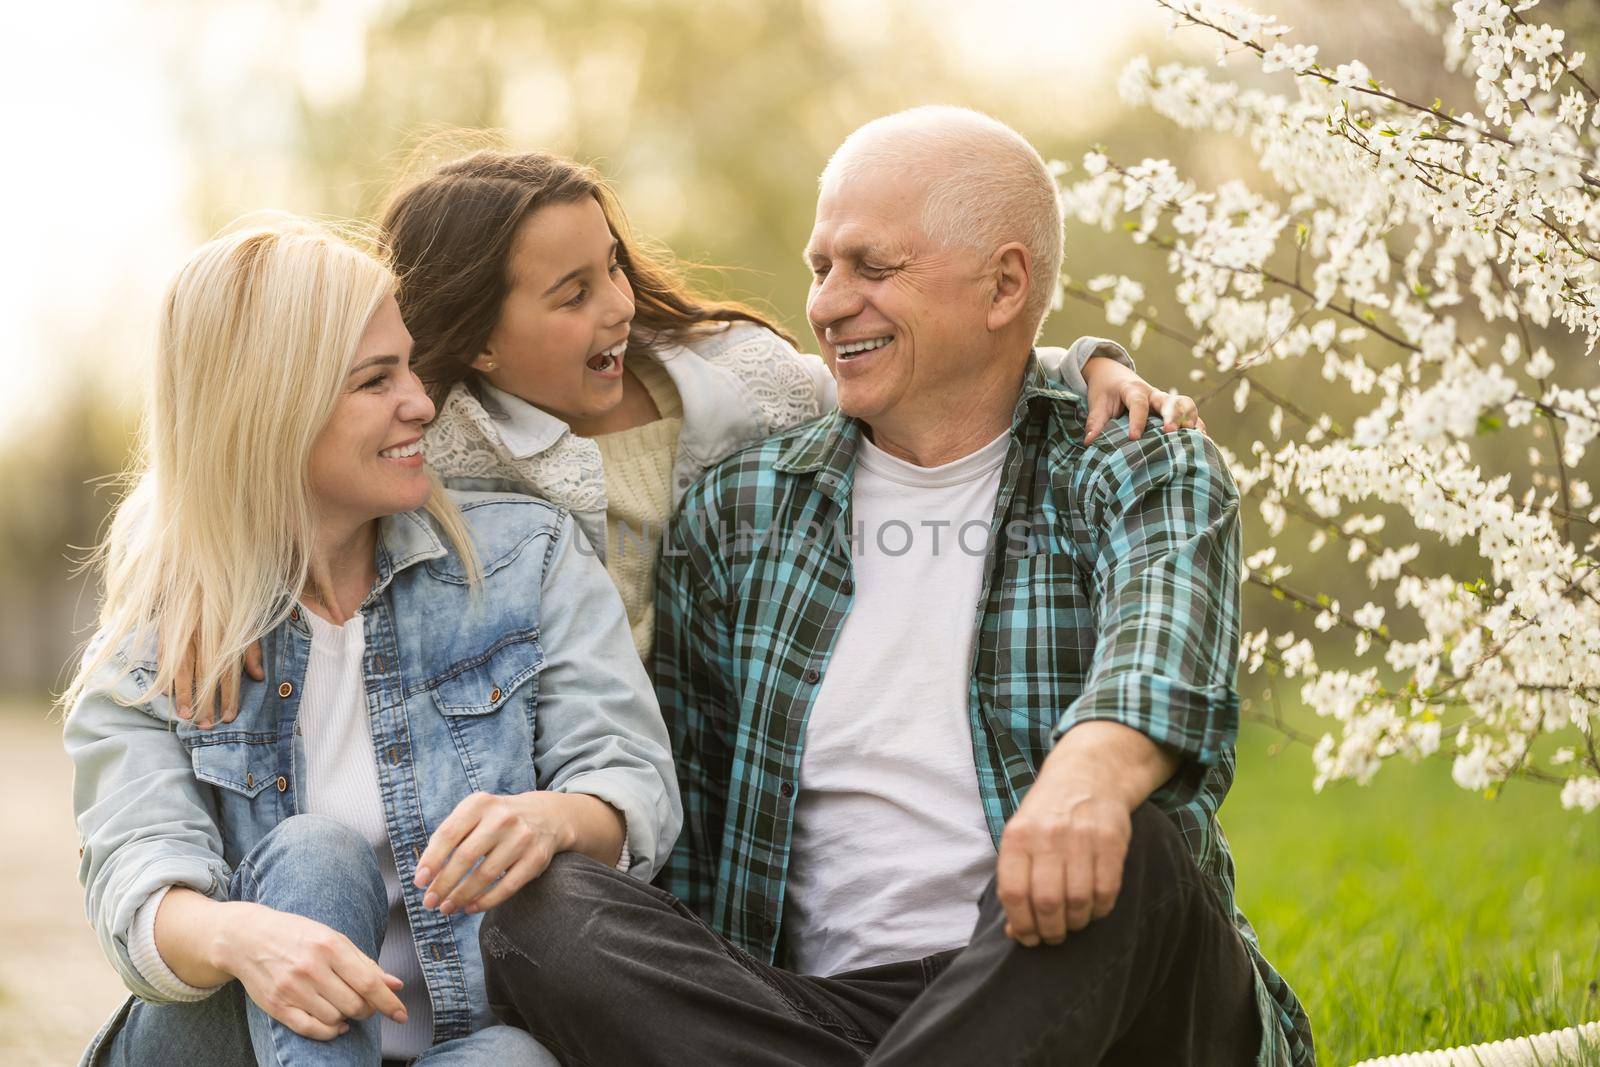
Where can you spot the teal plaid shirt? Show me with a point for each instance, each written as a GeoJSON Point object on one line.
{"type": "Point", "coordinates": [1111, 591]}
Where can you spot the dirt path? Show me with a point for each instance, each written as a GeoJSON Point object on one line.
{"type": "Point", "coordinates": [55, 987]}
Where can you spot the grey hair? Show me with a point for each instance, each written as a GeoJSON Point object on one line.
{"type": "Point", "coordinates": [987, 186]}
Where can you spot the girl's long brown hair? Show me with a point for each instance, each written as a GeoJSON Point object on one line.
{"type": "Point", "coordinates": [451, 235]}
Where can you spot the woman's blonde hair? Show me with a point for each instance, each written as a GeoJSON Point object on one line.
{"type": "Point", "coordinates": [210, 546]}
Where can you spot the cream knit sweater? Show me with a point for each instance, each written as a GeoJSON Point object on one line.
{"type": "Point", "coordinates": [638, 474]}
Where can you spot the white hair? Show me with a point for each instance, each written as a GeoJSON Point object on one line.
{"type": "Point", "coordinates": [986, 185]}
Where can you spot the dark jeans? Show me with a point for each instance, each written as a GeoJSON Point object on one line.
{"type": "Point", "coordinates": [604, 969]}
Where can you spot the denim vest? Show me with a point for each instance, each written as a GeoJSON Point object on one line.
{"type": "Point", "coordinates": [531, 681]}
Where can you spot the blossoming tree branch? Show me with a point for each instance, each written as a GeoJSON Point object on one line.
{"type": "Point", "coordinates": [1415, 256]}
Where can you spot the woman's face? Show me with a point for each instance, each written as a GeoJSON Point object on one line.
{"type": "Point", "coordinates": [367, 461]}
{"type": "Point", "coordinates": [562, 330]}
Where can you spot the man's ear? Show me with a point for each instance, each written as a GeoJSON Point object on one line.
{"type": "Point", "coordinates": [1010, 271]}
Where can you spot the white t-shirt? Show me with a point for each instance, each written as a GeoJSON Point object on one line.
{"type": "Point", "coordinates": [891, 848]}
{"type": "Point", "coordinates": [342, 783]}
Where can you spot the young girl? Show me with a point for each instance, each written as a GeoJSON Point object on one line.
{"type": "Point", "coordinates": [571, 363]}
{"type": "Point", "coordinates": [304, 884]}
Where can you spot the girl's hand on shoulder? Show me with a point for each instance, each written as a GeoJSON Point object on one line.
{"type": "Point", "coordinates": [308, 976]}
{"type": "Point", "coordinates": [203, 708]}
{"type": "Point", "coordinates": [1115, 388]}
{"type": "Point", "coordinates": [489, 847]}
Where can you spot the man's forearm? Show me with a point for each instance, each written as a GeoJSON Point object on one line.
{"type": "Point", "coordinates": [1109, 758]}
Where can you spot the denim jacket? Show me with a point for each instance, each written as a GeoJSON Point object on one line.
{"type": "Point", "coordinates": [738, 385]}
{"type": "Point", "coordinates": [531, 682]}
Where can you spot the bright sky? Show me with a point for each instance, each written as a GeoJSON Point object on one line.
{"type": "Point", "coordinates": [93, 184]}
{"type": "Point", "coordinates": [97, 177]}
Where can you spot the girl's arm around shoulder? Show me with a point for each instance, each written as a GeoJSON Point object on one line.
{"type": "Point", "coordinates": [791, 386]}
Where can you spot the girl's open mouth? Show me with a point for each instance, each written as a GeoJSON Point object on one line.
{"type": "Point", "coordinates": [608, 363]}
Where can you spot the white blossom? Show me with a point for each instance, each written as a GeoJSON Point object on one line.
{"type": "Point", "coordinates": [1427, 249]}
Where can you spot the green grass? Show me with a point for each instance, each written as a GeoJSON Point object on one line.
{"type": "Point", "coordinates": [1410, 914]}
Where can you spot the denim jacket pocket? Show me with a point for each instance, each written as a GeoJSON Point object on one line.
{"type": "Point", "coordinates": [484, 683]}
{"type": "Point", "coordinates": [469, 695]}
{"type": "Point", "coordinates": [251, 789]}
{"type": "Point", "coordinates": [240, 765]}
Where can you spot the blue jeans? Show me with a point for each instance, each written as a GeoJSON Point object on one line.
{"type": "Point", "coordinates": [314, 866]}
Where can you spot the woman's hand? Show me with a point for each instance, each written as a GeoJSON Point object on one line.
{"type": "Point", "coordinates": [491, 846]}
{"type": "Point", "coordinates": [308, 976]}
{"type": "Point", "coordinates": [201, 707]}
{"type": "Point", "coordinates": [1115, 388]}
{"type": "Point", "coordinates": [488, 848]}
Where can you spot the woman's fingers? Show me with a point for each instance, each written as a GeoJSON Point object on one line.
{"type": "Point", "coordinates": [311, 1000]}
{"type": "Point", "coordinates": [371, 987]}
{"type": "Point", "coordinates": [496, 864]}
{"type": "Point", "coordinates": [476, 845]}
{"type": "Point", "coordinates": [342, 996]}
{"type": "Point", "coordinates": [521, 873]}
{"type": "Point", "coordinates": [305, 1025]}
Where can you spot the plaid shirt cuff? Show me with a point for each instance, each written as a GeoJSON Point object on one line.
{"type": "Point", "coordinates": [1197, 722]}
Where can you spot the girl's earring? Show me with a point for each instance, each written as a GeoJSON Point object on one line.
{"type": "Point", "coordinates": [489, 365]}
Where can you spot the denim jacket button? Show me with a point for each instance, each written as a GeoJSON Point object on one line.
{"type": "Point", "coordinates": [283, 783]}
{"type": "Point", "coordinates": [494, 694]}
{"type": "Point", "coordinates": [436, 952]}
{"type": "Point", "coordinates": [285, 689]}
{"type": "Point", "coordinates": [249, 781]}
{"type": "Point", "coordinates": [294, 614]}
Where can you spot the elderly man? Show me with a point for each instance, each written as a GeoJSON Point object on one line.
{"type": "Point", "coordinates": [951, 694]}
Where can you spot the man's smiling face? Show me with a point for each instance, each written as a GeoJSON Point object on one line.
{"type": "Point", "coordinates": [900, 319]}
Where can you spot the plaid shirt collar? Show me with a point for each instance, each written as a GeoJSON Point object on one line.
{"type": "Point", "coordinates": [827, 447]}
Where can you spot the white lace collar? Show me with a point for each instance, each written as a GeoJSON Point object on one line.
{"type": "Point", "coordinates": [526, 430]}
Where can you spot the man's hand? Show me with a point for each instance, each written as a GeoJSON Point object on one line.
{"type": "Point", "coordinates": [1062, 853]}
{"type": "Point", "coordinates": [1061, 859]}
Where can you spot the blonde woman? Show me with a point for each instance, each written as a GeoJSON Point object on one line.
{"type": "Point", "coordinates": [451, 696]}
